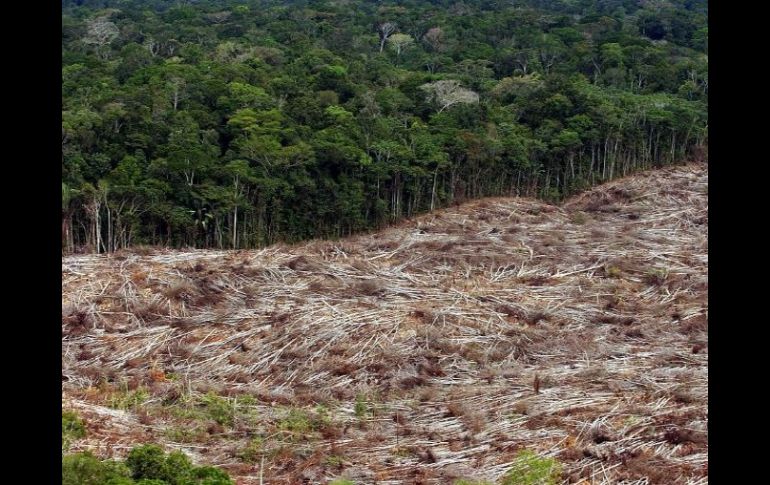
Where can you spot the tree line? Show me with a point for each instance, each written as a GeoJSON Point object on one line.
{"type": "Point", "coordinates": [236, 124]}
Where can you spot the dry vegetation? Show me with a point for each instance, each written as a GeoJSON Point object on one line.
{"type": "Point", "coordinates": [424, 353]}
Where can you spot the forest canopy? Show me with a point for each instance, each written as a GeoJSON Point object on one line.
{"type": "Point", "coordinates": [236, 124]}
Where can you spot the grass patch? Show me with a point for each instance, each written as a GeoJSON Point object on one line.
{"type": "Point", "coordinates": [253, 451]}
{"type": "Point", "coordinates": [219, 409]}
{"type": "Point", "coordinates": [297, 421]}
{"type": "Point", "coordinates": [126, 400]}
{"type": "Point", "coordinates": [334, 461]}
{"type": "Point", "coordinates": [186, 434]}
{"type": "Point", "coordinates": [212, 407]}
{"type": "Point", "coordinates": [529, 468]}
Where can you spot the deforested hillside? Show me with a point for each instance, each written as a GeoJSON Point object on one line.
{"type": "Point", "coordinates": [483, 341]}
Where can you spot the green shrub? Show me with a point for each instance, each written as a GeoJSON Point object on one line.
{"type": "Point", "coordinates": [532, 469]}
{"type": "Point", "coordinates": [613, 271]}
{"type": "Point", "coordinates": [341, 481]}
{"type": "Point", "coordinates": [209, 475]}
{"type": "Point", "coordinates": [361, 409]}
{"type": "Point", "coordinates": [127, 400]}
{"type": "Point", "coordinates": [149, 461]}
{"type": "Point", "coordinates": [212, 407]}
{"type": "Point", "coordinates": [145, 465]}
{"type": "Point", "coordinates": [321, 417]}
{"type": "Point", "coordinates": [334, 461]}
{"type": "Point", "coordinates": [219, 409]}
{"type": "Point", "coordinates": [297, 421]}
{"type": "Point", "coordinates": [72, 428]}
{"type": "Point", "coordinates": [85, 469]}
{"type": "Point", "coordinates": [187, 434]}
{"type": "Point", "coordinates": [253, 451]}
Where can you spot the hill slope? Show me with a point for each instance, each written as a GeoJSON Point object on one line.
{"type": "Point", "coordinates": [426, 352]}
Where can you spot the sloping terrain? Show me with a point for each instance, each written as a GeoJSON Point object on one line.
{"type": "Point", "coordinates": [424, 353]}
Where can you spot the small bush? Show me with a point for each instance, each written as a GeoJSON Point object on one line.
{"type": "Point", "coordinates": [253, 451]}
{"type": "Point", "coordinates": [209, 475]}
{"type": "Point", "coordinates": [335, 461]}
{"type": "Point", "coordinates": [224, 412]}
{"type": "Point", "coordinates": [341, 481]}
{"type": "Point", "coordinates": [297, 421]}
{"type": "Point", "coordinates": [86, 469]}
{"type": "Point", "coordinates": [128, 400]}
{"type": "Point", "coordinates": [361, 409]}
{"type": "Point", "coordinates": [150, 462]}
{"type": "Point", "coordinates": [219, 409]}
{"type": "Point", "coordinates": [187, 434]}
{"type": "Point", "coordinates": [613, 271]}
{"type": "Point", "coordinates": [145, 465]}
{"type": "Point", "coordinates": [72, 428]}
{"type": "Point", "coordinates": [531, 469]}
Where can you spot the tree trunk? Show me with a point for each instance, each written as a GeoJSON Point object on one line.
{"type": "Point", "coordinates": [433, 190]}
{"type": "Point", "coordinates": [110, 247]}
{"type": "Point", "coordinates": [235, 227]}
{"type": "Point", "coordinates": [65, 234]}
{"type": "Point", "coordinates": [673, 146]}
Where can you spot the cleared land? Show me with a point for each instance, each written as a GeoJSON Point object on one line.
{"type": "Point", "coordinates": [426, 352]}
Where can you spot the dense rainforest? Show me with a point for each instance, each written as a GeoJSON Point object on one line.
{"type": "Point", "coordinates": [236, 124]}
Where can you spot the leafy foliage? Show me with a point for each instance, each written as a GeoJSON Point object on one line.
{"type": "Point", "coordinates": [232, 124]}
{"type": "Point", "coordinates": [531, 469]}
{"type": "Point", "coordinates": [145, 465]}
{"type": "Point", "coordinates": [72, 428]}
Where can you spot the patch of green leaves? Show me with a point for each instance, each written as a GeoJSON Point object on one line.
{"type": "Point", "coordinates": [145, 465]}
{"type": "Point", "coordinates": [187, 434]}
{"type": "Point", "coordinates": [333, 461]}
{"type": "Point", "coordinates": [128, 400]}
{"type": "Point", "coordinates": [297, 421]}
{"type": "Point", "coordinates": [212, 407]}
{"type": "Point", "coordinates": [219, 409]}
{"type": "Point", "coordinates": [253, 451]}
{"type": "Point", "coordinates": [72, 428]}
{"type": "Point", "coordinates": [529, 468]}
{"type": "Point", "coordinates": [361, 408]}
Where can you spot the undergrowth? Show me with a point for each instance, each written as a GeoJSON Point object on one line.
{"type": "Point", "coordinates": [145, 465]}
